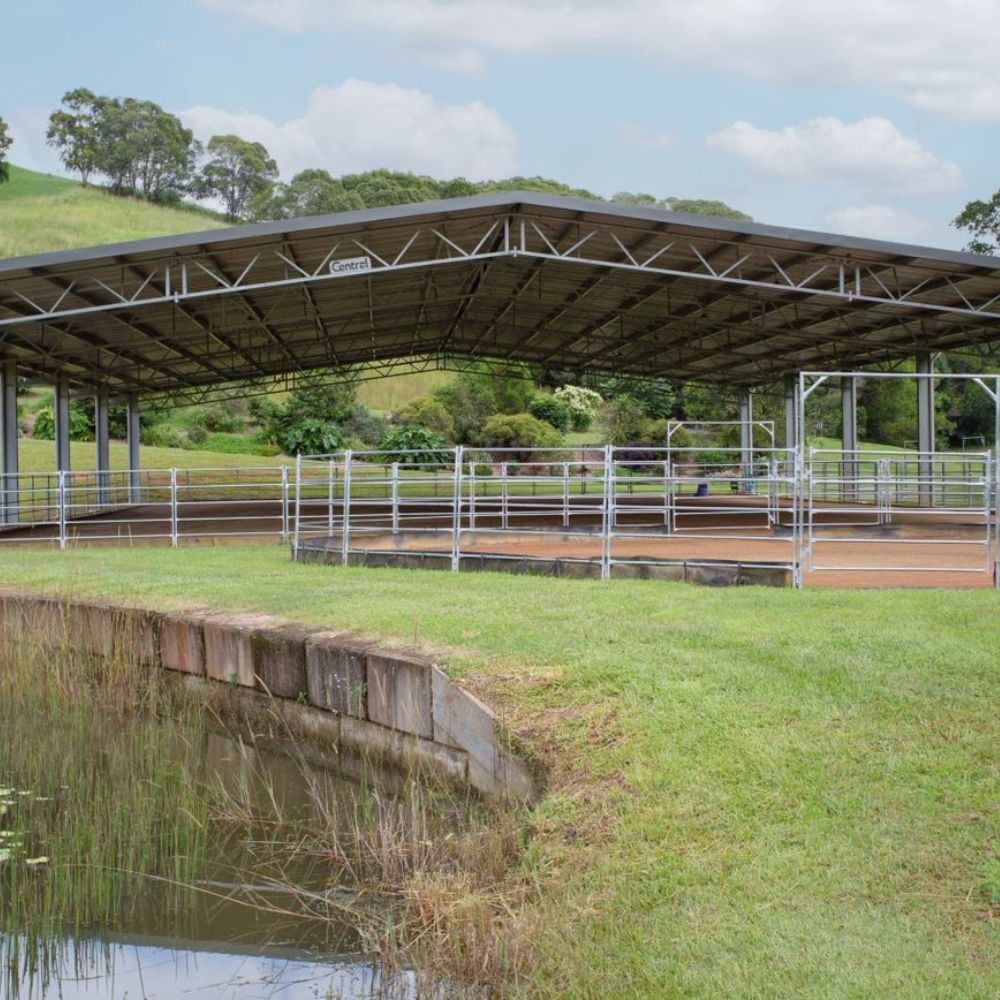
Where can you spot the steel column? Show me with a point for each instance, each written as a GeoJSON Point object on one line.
{"type": "Point", "coordinates": [132, 431]}
{"type": "Point", "coordinates": [61, 415]}
{"type": "Point", "coordinates": [791, 415]}
{"type": "Point", "coordinates": [925, 429]}
{"type": "Point", "coordinates": [849, 434]}
{"type": "Point", "coordinates": [8, 438]}
{"type": "Point", "coordinates": [746, 436]}
{"type": "Point", "coordinates": [102, 438]}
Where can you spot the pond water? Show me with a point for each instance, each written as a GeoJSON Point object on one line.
{"type": "Point", "coordinates": [143, 854]}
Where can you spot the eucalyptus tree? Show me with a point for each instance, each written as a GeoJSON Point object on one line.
{"type": "Point", "coordinates": [239, 173]}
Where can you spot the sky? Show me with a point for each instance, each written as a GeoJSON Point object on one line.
{"type": "Point", "coordinates": [877, 118]}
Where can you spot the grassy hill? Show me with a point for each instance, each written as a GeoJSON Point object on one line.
{"type": "Point", "coordinates": [40, 212]}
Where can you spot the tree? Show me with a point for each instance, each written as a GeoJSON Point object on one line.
{"type": "Point", "coordinates": [982, 219]}
{"type": "Point", "coordinates": [5, 143]}
{"type": "Point", "coordinates": [310, 192]}
{"type": "Point", "coordinates": [75, 130]}
{"type": "Point", "coordinates": [238, 172]}
{"type": "Point", "coordinates": [140, 148]}
{"type": "Point", "coordinates": [692, 206]}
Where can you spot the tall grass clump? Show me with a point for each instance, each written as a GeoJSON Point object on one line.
{"type": "Point", "coordinates": [97, 793]}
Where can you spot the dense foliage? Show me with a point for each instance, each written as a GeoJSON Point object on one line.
{"type": "Point", "coordinates": [414, 445]}
{"type": "Point", "coordinates": [5, 143]}
{"type": "Point", "coordinates": [982, 220]}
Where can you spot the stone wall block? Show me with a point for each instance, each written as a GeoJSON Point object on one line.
{"type": "Point", "coordinates": [279, 659]}
{"type": "Point", "coordinates": [336, 672]}
{"type": "Point", "coordinates": [461, 720]}
{"type": "Point", "coordinates": [399, 691]}
{"type": "Point", "coordinates": [182, 644]}
{"type": "Point", "coordinates": [229, 647]}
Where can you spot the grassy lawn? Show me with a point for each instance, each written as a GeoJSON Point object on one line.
{"type": "Point", "coordinates": [752, 792]}
{"type": "Point", "coordinates": [39, 212]}
{"type": "Point", "coordinates": [40, 456]}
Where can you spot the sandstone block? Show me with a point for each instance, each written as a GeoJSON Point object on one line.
{"type": "Point", "coordinates": [182, 644]}
{"type": "Point", "coordinates": [336, 673]}
{"type": "Point", "coordinates": [399, 691]}
{"type": "Point", "coordinates": [279, 659]}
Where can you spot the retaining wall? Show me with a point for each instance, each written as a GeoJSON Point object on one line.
{"type": "Point", "coordinates": [339, 691]}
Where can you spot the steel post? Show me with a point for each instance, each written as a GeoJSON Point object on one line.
{"type": "Point", "coordinates": [61, 416]}
{"type": "Point", "coordinates": [456, 512]}
{"type": "Point", "coordinates": [174, 516]}
{"type": "Point", "coordinates": [9, 496]}
{"type": "Point", "coordinates": [345, 530]}
{"type": "Point", "coordinates": [925, 430]}
{"type": "Point", "coordinates": [395, 498]}
{"type": "Point", "coordinates": [134, 474]}
{"type": "Point", "coordinates": [102, 440]}
{"type": "Point", "coordinates": [849, 435]}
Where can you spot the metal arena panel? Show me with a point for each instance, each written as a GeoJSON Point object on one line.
{"type": "Point", "coordinates": [581, 286]}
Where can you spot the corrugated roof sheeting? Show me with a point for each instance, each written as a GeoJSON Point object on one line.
{"type": "Point", "coordinates": [576, 285]}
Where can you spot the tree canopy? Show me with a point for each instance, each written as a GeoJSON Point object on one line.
{"type": "Point", "coordinates": [5, 143]}
{"type": "Point", "coordinates": [237, 173]}
{"type": "Point", "coordinates": [982, 220]}
{"type": "Point", "coordinates": [137, 146]}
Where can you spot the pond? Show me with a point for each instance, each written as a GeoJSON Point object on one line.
{"type": "Point", "coordinates": [146, 852]}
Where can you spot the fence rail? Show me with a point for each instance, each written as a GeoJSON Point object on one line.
{"type": "Point", "coordinates": [820, 511]}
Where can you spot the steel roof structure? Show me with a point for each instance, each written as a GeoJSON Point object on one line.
{"type": "Point", "coordinates": [514, 277]}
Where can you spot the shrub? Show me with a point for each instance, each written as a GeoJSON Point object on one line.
{"type": "Point", "coordinates": [470, 401]}
{"type": "Point", "coordinates": [521, 432]}
{"type": "Point", "coordinates": [429, 412]}
{"type": "Point", "coordinates": [552, 410]}
{"type": "Point", "coordinates": [584, 405]}
{"type": "Point", "coordinates": [369, 428]}
{"type": "Point", "coordinates": [221, 418]}
{"type": "Point", "coordinates": [81, 423]}
{"type": "Point", "coordinates": [313, 436]}
{"type": "Point", "coordinates": [197, 435]}
{"type": "Point", "coordinates": [429, 447]}
{"type": "Point", "coordinates": [162, 436]}
{"type": "Point", "coordinates": [624, 421]}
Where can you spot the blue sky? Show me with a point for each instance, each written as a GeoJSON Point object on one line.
{"type": "Point", "coordinates": [875, 117]}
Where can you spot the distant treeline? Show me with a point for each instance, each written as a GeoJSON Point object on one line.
{"type": "Point", "coordinates": [137, 148]}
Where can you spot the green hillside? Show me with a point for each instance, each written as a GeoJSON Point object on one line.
{"type": "Point", "coordinates": [39, 212]}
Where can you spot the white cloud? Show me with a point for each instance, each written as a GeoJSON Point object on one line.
{"type": "Point", "coordinates": [879, 222]}
{"type": "Point", "coordinates": [938, 55]}
{"type": "Point", "coordinates": [27, 128]}
{"type": "Point", "coordinates": [637, 135]}
{"type": "Point", "coordinates": [870, 152]}
{"type": "Point", "coordinates": [360, 125]}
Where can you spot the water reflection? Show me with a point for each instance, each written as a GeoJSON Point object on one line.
{"type": "Point", "coordinates": [133, 968]}
{"type": "Point", "coordinates": [231, 915]}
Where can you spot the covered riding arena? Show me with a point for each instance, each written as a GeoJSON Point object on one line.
{"type": "Point", "coordinates": [579, 287]}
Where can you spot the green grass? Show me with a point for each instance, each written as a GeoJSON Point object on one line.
{"type": "Point", "coordinates": [39, 212]}
{"type": "Point", "coordinates": [40, 456]}
{"type": "Point", "coordinates": [753, 792]}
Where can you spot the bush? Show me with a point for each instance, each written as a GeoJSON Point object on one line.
{"type": "Point", "coordinates": [162, 436]}
{"type": "Point", "coordinates": [221, 418]}
{"type": "Point", "coordinates": [429, 447]}
{"type": "Point", "coordinates": [426, 411]}
{"type": "Point", "coordinates": [521, 432]}
{"type": "Point", "coordinates": [552, 410]}
{"type": "Point", "coordinates": [313, 436]}
{"type": "Point", "coordinates": [369, 428]}
{"type": "Point", "coordinates": [584, 405]}
{"type": "Point", "coordinates": [197, 435]}
{"type": "Point", "coordinates": [81, 423]}
{"type": "Point", "coordinates": [624, 421]}
{"type": "Point", "coordinates": [470, 401]}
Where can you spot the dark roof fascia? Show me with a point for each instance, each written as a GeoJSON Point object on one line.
{"type": "Point", "coordinates": [511, 202]}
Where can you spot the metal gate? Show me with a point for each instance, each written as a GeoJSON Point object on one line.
{"type": "Point", "coordinates": [876, 516]}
